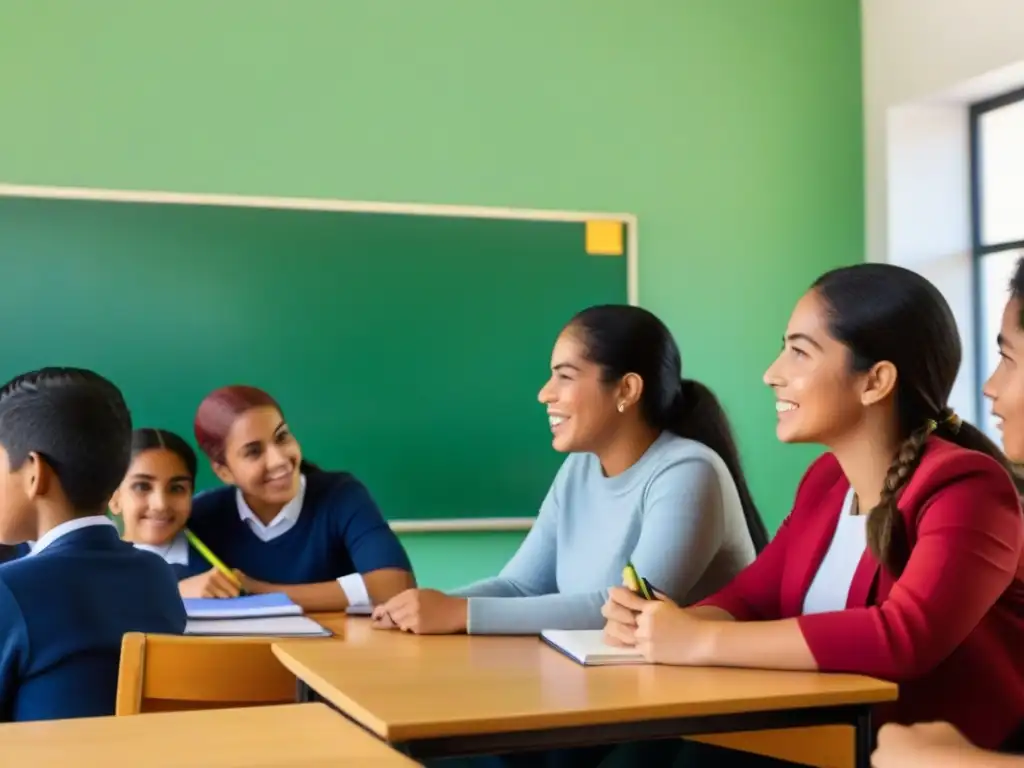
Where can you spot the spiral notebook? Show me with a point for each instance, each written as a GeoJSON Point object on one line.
{"type": "Point", "coordinates": [587, 646]}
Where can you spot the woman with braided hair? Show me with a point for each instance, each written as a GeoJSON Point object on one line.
{"type": "Point", "coordinates": [902, 556]}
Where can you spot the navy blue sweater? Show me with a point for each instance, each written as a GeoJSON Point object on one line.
{"type": "Point", "coordinates": [339, 531]}
{"type": "Point", "coordinates": [63, 613]}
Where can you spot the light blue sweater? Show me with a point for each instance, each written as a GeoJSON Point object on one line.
{"type": "Point", "coordinates": [676, 514]}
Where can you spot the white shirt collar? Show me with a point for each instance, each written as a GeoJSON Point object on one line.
{"type": "Point", "coordinates": [65, 528]}
{"type": "Point", "coordinates": [174, 552]}
{"type": "Point", "coordinates": [283, 522]}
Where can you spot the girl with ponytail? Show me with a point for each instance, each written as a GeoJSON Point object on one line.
{"type": "Point", "coordinates": [902, 556]}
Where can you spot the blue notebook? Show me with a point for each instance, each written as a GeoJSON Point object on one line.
{"type": "Point", "coordinates": [248, 607]}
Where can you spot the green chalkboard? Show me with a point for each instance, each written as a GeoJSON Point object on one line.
{"type": "Point", "coordinates": [405, 348]}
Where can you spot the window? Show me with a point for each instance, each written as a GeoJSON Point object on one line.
{"type": "Point", "coordinates": [997, 202]}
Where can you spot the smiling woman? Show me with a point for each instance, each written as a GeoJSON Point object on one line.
{"type": "Point", "coordinates": [281, 522]}
{"type": "Point", "coordinates": [1005, 388]}
{"type": "Point", "coordinates": [652, 477]}
{"type": "Point", "coordinates": [902, 557]}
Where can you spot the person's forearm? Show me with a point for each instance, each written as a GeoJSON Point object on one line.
{"type": "Point", "coordinates": [321, 597]}
{"type": "Point", "coordinates": [385, 583]}
{"type": "Point", "coordinates": [760, 644]}
{"type": "Point", "coordinates": [532, 615]}
{"type": "Point", "coordinates": [711, 613]}
{"type": "Point", "coordinates": [497, 586]}
{"type": "Point", "coordinates": [974, 758]}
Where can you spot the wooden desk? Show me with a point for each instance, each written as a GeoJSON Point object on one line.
{"type": "Point", "coordinates": [447, 696]}
{"type": "Point", "coordinates": [287, 736]}
{"type": "Point", "coordinates": [332, 621]}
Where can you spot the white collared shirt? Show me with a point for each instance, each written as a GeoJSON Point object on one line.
{"type": "Point", "coordinates": [283, 522]}
{"type": "Point", "coordinates": [352, 585]}
{"type": "Point", "coordinates": [174, 552]}
{"type": "Point", "coordinates": [65, 528]}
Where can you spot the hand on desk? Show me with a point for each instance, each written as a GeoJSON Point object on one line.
{"type": "Point", "coordinates": [423, 612]}
{"type": "Point", "coordinates": [662, 631]}
{"type": "Point", "coordinates": [212, 583]}
{"type": "Point", "coordinates": [925, 745]}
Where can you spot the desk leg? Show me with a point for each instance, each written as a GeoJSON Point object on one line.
{"type": "Point", "coordinates": [864, 742]}
{"type": "Point", "coordinates": [303, 693]}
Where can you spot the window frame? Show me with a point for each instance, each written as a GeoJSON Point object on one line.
{"type": "Point", "coordinates": [979, 250]}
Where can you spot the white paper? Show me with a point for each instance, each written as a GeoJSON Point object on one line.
{"type": "Point", "coordinates": [587, 646]}
{"type": "Point", "coordinates": [271, 626]}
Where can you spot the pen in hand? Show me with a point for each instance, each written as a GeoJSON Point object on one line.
{"type": "Point", "coordinates": [636, 584]}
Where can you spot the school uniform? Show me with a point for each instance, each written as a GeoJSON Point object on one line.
{"type": "Point", "coordinates": [331, 530]}
{"type": "Point", "coordinates": [64, 609]}
{"type": "Point", "coordinates": [19, 550]}
{"type": "Point", "coordinates": [949, 630]}
{"type": "Point", "coordinates": [179, 553]}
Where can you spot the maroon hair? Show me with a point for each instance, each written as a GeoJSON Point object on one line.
{"type": "Point", "coordinates": [218, 412]}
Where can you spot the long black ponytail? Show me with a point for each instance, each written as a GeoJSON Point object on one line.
{"type": "Point", "coordinates": [626, 339]}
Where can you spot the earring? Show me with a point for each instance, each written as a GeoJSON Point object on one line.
{"type": "Point", "coordinates": [622, 407]}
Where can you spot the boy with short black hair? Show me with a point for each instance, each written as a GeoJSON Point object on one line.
{"type": "Point", "coordinates": [65, 437]}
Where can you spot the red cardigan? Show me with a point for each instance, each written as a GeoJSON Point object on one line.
{"type": "Point", "coordinates": [950, 630]}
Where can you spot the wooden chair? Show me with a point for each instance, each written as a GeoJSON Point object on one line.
{"type": "Point", "coordinates": [164, 673]}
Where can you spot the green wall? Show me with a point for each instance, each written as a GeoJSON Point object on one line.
{"type": "Point", "coordinates": [732, 128]}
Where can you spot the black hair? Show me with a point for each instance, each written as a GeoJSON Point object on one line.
{"type": "Point", "coordinates": [77, 422]}
{"type": "Point", "coordinates": [882, 312]}
{"type": "Point", "coordinates": [1017, 287]}
{"type": "Point", "coordinates": [625, 339]}
{"type": "Point", "coordinates": [150, 438]}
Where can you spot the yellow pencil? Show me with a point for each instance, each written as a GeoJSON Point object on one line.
{"type": "Point", "coordinates": [634, 583]}
{"type": "Point", "coordinates": [211, 558]}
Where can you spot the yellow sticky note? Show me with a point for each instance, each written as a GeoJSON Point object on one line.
{"type": "Point", "coordinates": [604, 238]}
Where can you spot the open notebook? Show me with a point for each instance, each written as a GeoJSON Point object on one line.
{"type": "Point", "coordinates": [263, 626]}
{"type": "Point", "coordinates": [587, 646]}
{"type": "Point", "coordinates": [248, 607]}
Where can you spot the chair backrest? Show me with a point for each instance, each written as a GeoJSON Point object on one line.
{"type": "Point", "coordinates": [161, 673]}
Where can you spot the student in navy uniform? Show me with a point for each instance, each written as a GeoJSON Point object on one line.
{"type": "Point", "coordinates": [283, 524]}
{"type": "Point", "coordinates": [154, 502]}
{"type": "Point", "coordinates": [65, 440]}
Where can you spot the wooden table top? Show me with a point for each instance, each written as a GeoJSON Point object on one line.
{"type": "Point", "coordinates": [405, 687]}
{"type": "Point", "coordinates": [286, 736]}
